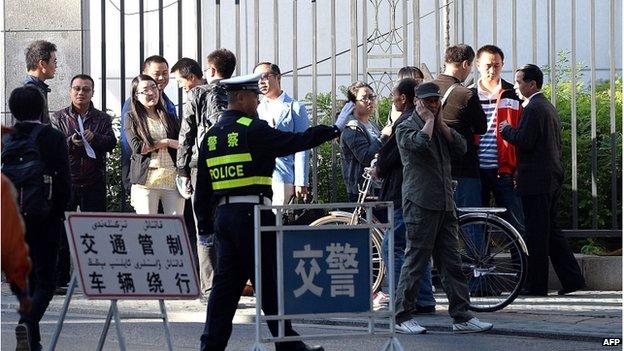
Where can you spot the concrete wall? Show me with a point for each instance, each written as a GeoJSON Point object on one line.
{"type": "Point", "coordinates": [24, 21]}
{"type": "Point", "coordinates": [600, 272]}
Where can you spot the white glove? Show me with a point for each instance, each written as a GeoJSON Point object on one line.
{"type": "Point", "coordinates": [345, 114]}
{"type": "Point", "coordinates": [185, 188]}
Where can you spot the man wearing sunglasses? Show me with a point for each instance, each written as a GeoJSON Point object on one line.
{"type": "Point", "coordinates": [280, 111]}
{"type": "Point", "coordinates": [89, 137]}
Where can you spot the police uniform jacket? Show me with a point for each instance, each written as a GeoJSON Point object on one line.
{"type": "Point", "coordinates": [237, 158]}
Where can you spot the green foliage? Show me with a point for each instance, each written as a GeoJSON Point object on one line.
{"type": "Point", "coordinates": [593, 247]}
{"type": "Point", "coordinates": [114, 185]}
{"type": "Point", "coordinates": [331, 187]}
{"type": "Point", "coordinates": [604, 143]}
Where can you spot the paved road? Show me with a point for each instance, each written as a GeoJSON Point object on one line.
{"type": "Point", "coordinates": [576, 322]}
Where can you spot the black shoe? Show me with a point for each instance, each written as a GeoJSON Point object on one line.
{"type": "Point", "coordinates": [424, 310]}
{"type": "Point", "coordinates": [566, 291]}
{"type": "Point", "coordinates": [21, 336]}
{"type": "Point", "coordinates": [61, 290]}
{"type": "Point", "coordinates": [526, 292]}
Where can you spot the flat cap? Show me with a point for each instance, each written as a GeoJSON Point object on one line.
{"type": "Point", "coordinates": [247, 82]}
{"type": "Point", "coordinates": [426, 90]}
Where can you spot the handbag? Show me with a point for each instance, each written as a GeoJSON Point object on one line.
{"type": "Point", "coordinates": [302, 216]}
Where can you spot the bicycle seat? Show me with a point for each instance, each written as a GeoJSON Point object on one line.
{"type": "Point", "coordinates": [481, 209]}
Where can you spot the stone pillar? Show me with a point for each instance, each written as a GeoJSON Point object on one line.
{"type": "Point", "coordinates": [59, 22]}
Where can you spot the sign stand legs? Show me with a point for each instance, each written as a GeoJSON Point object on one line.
{"type": "Point", "coordinates": [120, 337]}
{"type": "Point", "coordinates": [59, 324]}
{"type": "Point", "coordinates": [258, 347]}
{"type": "Point", "coordinates": [165, 319]}
{"type": "Point", "coordinates": [109, 316]}
{"type": "Point", "coordinates": [392, 344]}
{"type": "Point", "coordinates": [113, 312]}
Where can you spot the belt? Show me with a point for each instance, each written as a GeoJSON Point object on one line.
{"type": "Point", "coordinates": [247, 199]}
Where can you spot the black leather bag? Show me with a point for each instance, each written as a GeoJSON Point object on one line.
{"type": "Point", "coordinates": [302, 216]}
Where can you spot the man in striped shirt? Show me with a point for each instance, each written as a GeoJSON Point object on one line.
{"type": "Point", "coordinates": [497, 158]}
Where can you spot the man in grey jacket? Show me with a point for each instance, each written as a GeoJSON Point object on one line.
{"type": "Point", "coordinates": [426, 145]}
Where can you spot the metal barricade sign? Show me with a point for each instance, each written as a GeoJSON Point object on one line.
{"type": "Point", "coordinates": [132, 256]}
{"type": "Point", "coordinates": [326, 271]}
{"type": "Point", "coordinates": [126, 256]}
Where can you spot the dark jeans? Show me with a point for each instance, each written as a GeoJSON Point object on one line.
{"type": "Point", "coordinates": [544, 239]}
{"type": "Point", "coordinates": [42, 238]}
{"type": "Point", "coordinates": [234, 227]}
{"type": "Point", "coordinates": [501, 186]}
{"type": "Point", "coordinates": [432, 233]}
{"type": "Point", "coordinates": [90, 198]}
{"type": "Point", "coordinates": [425, 294]}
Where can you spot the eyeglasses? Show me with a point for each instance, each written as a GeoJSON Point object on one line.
{"type": "Point", "coordinates": [369, 98]}
{"type": "Point", "coordinates": [77, 89]}
{"type": "Point", "coordinates": [267, 75]}
{"type": "Point", "coordinates": [148, 90]}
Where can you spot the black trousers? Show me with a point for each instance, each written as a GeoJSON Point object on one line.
{"type": "Point", "coordinates": [234, 231]}
{"type": "Point", "coordinates": [90, 198]}
{"type": "Point", "coordinates": [544, 239]}
{"type": "Point", "coordinates": [42, 238]}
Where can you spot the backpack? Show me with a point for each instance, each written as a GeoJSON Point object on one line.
{"type": "Point", "coordinates": [22, 164]}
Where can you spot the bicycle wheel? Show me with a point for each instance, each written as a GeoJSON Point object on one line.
{"type": "Point", "coordinates": [379, 268]}
{"type": "Point", "coordinates": [493, 260]}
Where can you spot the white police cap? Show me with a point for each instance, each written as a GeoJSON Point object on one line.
{"type": "Point", "coordinates": [246, 82]}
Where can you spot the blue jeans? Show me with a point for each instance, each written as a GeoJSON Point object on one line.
{"type": "Point", "coordinates": [425, 293]}
{"type": "Point", "coordinates": [502, 187]}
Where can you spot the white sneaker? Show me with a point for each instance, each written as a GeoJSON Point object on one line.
{"type": "Point", "coordinates": [410, 327]}
{"type": "Point", "coordinates": [474, 325]}
{"type": "Point", "coordinates": [381, 300]}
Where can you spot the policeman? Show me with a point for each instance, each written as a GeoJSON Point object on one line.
{"type": "Point", "coordinates": [236, 162]}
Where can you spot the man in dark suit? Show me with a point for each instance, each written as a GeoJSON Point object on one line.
{"type": "Point", "coordinates": [540, 176]}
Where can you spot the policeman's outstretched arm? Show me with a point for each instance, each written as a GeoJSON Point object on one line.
{"type": "Point", "coordinates": [278, 143]}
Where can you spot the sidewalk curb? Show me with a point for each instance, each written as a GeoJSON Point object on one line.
{"type": "Point", "coordinates": [438, 327]}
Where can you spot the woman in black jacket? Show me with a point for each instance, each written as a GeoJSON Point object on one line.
{"type": "Point", "coordinates": [360, 139]}
{"type": "Point", "coordinates": [153, 137]}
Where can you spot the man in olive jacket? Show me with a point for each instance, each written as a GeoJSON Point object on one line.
{"type": "Point", "coordinates": [426, 144]}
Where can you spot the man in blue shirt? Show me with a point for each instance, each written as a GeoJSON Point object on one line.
{"type": "Point", "coordinates": [284, 113]}
{"type": "Point", "coordinates": [156, 67]}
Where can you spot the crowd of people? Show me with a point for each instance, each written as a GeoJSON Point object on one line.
{"type": "Point", "coordinates": [499, 142]}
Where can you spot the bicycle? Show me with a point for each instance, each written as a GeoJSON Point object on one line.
{"type": "Point", "coordinates": [495, 266]}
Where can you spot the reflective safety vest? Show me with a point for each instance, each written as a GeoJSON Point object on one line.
{"type": "Point", "coordinates": [233, 171]}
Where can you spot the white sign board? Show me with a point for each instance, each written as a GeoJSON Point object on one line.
{"type": "Point", "coordinates": [127, 256]}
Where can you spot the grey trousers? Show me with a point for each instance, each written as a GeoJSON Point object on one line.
{"type": "Point", "coordinates": [206, 254]}
{"type": "Point", "coordinates": [432, 233]}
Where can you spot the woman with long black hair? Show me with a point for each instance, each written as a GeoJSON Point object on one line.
{"type": "Point", "coordinates": [153, 137]}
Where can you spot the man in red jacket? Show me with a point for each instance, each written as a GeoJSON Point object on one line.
{"type": "Point", "coordinates": [497, 157]}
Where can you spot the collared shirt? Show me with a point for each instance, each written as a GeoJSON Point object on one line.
{"type": "Point", "coordinates": [288, 115]}
{"type": "Point", "coordinates": [271, 109]}
{"type": "Point", "coordinates": [427, 164]}
{"type": "Point", "coordinates": [526, 102]}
